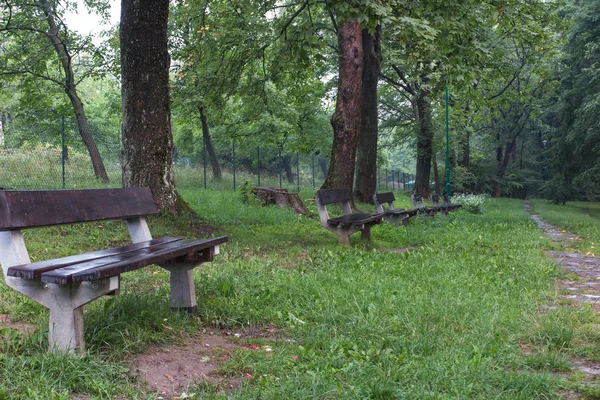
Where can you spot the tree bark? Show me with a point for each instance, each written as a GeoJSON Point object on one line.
{"type": "Point", "coordinates": [147, 136]}
{"type": "Point", "coordinates": [436, 177]}
{"type": "Point", "coordinates": [210, 147]}
{"type": "Point", "coordinates": [424, 143]}
{"type": "Point", "coordinates": [466, 156]}
{"type": "Point", "coordinates": [346, 118]}
{"type": "Point", "coordinates": [71, 90]}
{"type": "Point", "coordinates": [366, 176]}
{"type": "Point", "coordinates": [503, 161]}
{"type": "Point", "coordinates": [287, 167]}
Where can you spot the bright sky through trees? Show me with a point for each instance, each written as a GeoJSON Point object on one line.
{"type": "Point", "coordinates": [85, 22]}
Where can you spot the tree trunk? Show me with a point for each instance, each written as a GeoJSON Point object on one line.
{"type": "Point", "coordinates": [424, 144]}
{"type": "Point", "coordinates": [366, 176]}
{"type": "Point", "coordinates": [503, 161]}
{"type": "Point", "coordinates": [346, 118]}
{"type": "Point", "coordinates": [71, 90]}
{"type": "Point", "coordinates": [210, 148]}
{"type": "Point", "coordinates": [287, 167]}
{"type": "Point", "coordinates": [436, 177]}
{"type": "Point", "coordinates": [466, 158]}
{"type": "Point", "coordinates": [147, 136]}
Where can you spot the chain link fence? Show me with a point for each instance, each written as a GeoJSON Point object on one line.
{"type": "Point", "coordinates": [51, 155]}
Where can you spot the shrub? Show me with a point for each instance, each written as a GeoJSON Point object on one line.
{"type": "Point", "coordinates": [472, 203]}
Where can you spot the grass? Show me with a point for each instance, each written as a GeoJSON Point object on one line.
{"type": "Point", "coordinates": [445, 320]}
{"type": "Point", "coordinates": [580, 218]}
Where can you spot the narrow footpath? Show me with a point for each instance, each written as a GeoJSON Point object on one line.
{"type": "Point", "coordinates": [586, 288]}
{"type": "Point", "coordinates": [580, 285]}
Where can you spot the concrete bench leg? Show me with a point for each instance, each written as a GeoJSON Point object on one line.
{"type": "Point", "coordinates": [65, 334]}
{"type": "Point", "coordinates": [183, 292]}
{"type": "Point", "coordinates": [344, 238]}
{"type": "Point", "coordinates": [365, 233]}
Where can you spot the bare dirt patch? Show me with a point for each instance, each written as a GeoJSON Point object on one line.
{"type": "Point", "coordinates": [7, 322]}
{"type": "Point", "coordinates": [169, 371]}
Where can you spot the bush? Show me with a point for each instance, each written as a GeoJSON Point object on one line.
{"type": "Point", "coordinates": [472, 203]}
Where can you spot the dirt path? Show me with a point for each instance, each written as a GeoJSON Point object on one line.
{"type": "Point", "coordinates": [585, 288]}
{"type": "Point", "coordinates": [582, 285]}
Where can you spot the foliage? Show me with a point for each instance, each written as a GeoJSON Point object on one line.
{"type": "Point", "coordinates": [574, 140]}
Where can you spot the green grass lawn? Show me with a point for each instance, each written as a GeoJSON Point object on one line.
{"type": "Point", "coordinates": [580, 218]}
{"type": "Point", "coordinates": [446, 320]}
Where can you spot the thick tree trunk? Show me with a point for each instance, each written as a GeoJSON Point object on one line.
{"type": "Point", "coordinates": [71, 90]}
{"type": "Point", "coordinates": [346, 118]}
{"type": "Point", "coordinates": [286, 161]}
{"type": "Point", "coordinates": [147, 136]}
{"type": "Point", "coordinates": [436, 177]}
{"type": "Point", "coordinates": [210, 147]}
{"type": "Point", "coordinates": [424, 144]}
{"type": "Point", "coordinates": [366, 158]}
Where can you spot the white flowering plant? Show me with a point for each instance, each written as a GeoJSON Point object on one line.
{"type": "Point", "coordinates": [472, 203]}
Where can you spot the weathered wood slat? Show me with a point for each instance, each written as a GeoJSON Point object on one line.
{"type": "Point", "coordinates": [329, 196]}
{"type": "Point", "coordinates": [356, 219]}
{"type": "Point", "coordinates": [34, 208]}
{"type": "Point", "coordinates": [112, 266]}
{"type": "Point", "coordinates": [35, 270]}
{"type": "Point", "coordinates": [387, 197]}
{"type": "Point", "coordinates": [408, 213]}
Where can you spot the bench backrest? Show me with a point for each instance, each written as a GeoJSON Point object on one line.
{"type": "Point", "coordinates": [385, 197]}
{"type": "Point", "coordinates": [35, 208]}
{"type": "Point", "coordinates": [329, 196]}
{"type": "Point", "coordinates": [380, 198]}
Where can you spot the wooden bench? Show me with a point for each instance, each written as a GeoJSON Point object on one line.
{"type": "Point", "coordinates": [392, 215]}
{"type": "Point", "coordinates": [65, 285]}
{"type": "Point", "coordinates": [348, 223]}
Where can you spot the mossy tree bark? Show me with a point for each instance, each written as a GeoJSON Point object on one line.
{"type": "Point", "coordinates": [346, 118]}
{"type": "Point", "coordinates": [366, 176]}
{"type": "Point", "coordinates": [424, 143]}
{"type": "Point", "coordinates": [147, 136]}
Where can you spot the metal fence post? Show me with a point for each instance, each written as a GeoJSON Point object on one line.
{"type": "Point", "coordinates": [298, 170]}
{"type": "Point", "coordinates": [63, 149]}
{"type": "Point", "coordinates": [386, 179]}
{"type": "Point", "coordinates": [280, 169]}
{"type": "Point", "coordinates": [204, 158]}
{"type": "Point", "coordinates": [233, 159]}
{"type": "Point", "coordinates": [258, 155]}
{"type": "Point", "coordinates": [313, 172]}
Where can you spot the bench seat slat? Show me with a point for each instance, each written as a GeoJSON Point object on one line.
{"type": "Point", "coordinates": [112, 266]}
{"type": "Point", "coordinates": [35, 270]}
{"type": "Point", "coordinates": [356, 219]}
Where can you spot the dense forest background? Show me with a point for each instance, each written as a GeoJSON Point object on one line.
{"type": "Point", "coordinates": [523, 81]}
